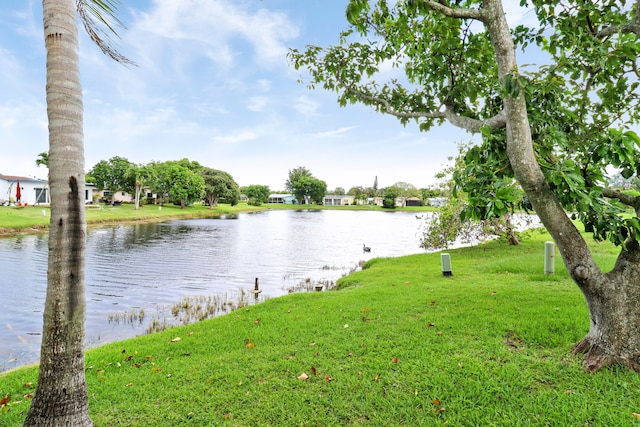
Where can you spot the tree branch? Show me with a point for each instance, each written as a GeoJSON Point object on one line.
{"type": "Point", "coordinates": [451, 12]}
{"type": "Point", "coordinates": [626, 199]}
{"type": "Point", "coordinates": [629, 27]}
{"type": "Point", "coordinates": [467, 123]}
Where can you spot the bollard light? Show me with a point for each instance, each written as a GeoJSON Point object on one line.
{"type": "Point", "coordinates": [549, 258]}
{"type": "Point", "coordinates": [445, 259]}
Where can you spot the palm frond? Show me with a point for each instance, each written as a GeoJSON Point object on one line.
{"type": "Point", "coordinates": [100, 21]}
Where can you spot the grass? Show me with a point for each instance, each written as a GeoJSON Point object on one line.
{"type": "Point", "coordinates": [397, 345]}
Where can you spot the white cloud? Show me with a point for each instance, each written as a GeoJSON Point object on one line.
{"type": "Point", "coordinates": [334, 133]}
{"type": "Point", "coordinates": [305, 106]}
{"type": "Point", "coordinates": [258, 103]}
{"type": "Point", "coordinates": [224, 27]}
{"type": "Point", "coordinates": [236, 137]}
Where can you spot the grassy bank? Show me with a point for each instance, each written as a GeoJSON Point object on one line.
{"type": "Point", "coordinates": [29, 219]}
{"type": "Point", "coordinates": [24, 219]}
{"type": "Point", "coordinates": [398, 345]}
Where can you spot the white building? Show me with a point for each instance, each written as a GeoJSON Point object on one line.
{"type": "Point", "coordinates": [33, 191]}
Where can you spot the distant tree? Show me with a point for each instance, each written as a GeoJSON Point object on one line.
{"type": "Point", "coordinates": [113, 175]}
{"type": "Point", "coordinates": [192, 165]}
{"type": "Point", "coordinates": [219, 184]}
{"type": "Point", "coordinates": [429, 192]}
{"type": "Point", "coordinates": [318, 190]}
{"type": "Point", "coordinates": [257, 194]}
{"type": "Point", "coordinates": [184, 185]}
{"type": "Point", "coordinates": [375, 185]}
{"type": "Point", "coordinates": [359, 193]}
{"type": "Point", "coordinates": [390, 194]}
{"type": "Point", "coordinates": [305, 186]}
{"type": "Point", "coordinates": [142, 176]}
{"type": "Point", "coordinates": [407, 189]}
{"type": "Point", "coordinates": [339, 191]}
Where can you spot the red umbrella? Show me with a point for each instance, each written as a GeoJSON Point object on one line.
{"type": "Point", "coordinates": [18, 194]}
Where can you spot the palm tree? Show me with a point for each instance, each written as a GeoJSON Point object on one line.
{"type": "Point", "coordinates": [61, 395]}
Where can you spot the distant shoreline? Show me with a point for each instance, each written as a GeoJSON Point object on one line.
{"type": "Point", "coordinates": [34, 223]}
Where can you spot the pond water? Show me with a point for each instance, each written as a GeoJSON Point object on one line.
{"type": "Point", "coordinates": [148, 268]}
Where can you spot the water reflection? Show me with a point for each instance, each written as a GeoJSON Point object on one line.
{"type": "Point", "coordinates": [149, 267]}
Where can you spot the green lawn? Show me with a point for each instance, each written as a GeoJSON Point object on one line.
{"type": "Point", "coordinates": [397, 345]}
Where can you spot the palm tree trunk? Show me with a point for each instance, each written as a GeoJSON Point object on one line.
{"type": "Point", "coordinates": [61, 395]}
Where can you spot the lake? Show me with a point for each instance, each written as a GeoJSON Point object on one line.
{"type": "Point", "coordinates": [149, 268]}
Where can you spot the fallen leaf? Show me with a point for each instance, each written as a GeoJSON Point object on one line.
{"type": "Point", "coordinates": [228, 416]}
{"type": "Point", "coordinates": [395, 360]}
{"type": "Point", "coordinates": [189, 334]}
{"type": "Point", "coordinates": [635, 415]}
{"type": "Point", "coordinates": [314, 370]}
{"type": "Point", "coordinates": [376, 377]}
{"type": "Point", "coordinates": [328, 378]}
{"type": "Point", "coordinates": [365, 310]}
{"type": "Point", "coordinates": [350, 354]}
{"type": "Point", "coordinates": [148, 357]}
{"type": "Point", "coordinates": [29, 396]}
{"type": "Point", "coordinates": [5, 400]}
{"type": "Point", "coordinates": [28, 384]}
{"type": "Point", "coordinates": [257, 321]}
{"type": "Point", "coordinates": [431, 325]}
{"type": "Point", "coordinates": [312, 344]}
{"type": "Point", "coordinates": [251, 344]}
{"type": "Point", "coordinates": [129, 385]}
{"type": "Point", "coordinates": [123, 351]}
{"type": "Point", "coordinates": [303, 376]}
{"type": "Point", "coordinates": [346, 325]}
{"type": "Point", "coordinates": [15, 359]}
{"type": "Point", "coordinates": [568, 391]}
{"type": "Point", "coordinates": [439, 333]}
{"type": "Point", "coordinates": [169, 375]}
{"type": "Point", "coordinates": [406, 283]}
{"type": "Point", "coordinates": [176, 339]}
{"type": "Point", "coordinates": [436, 402]}
{"type": "Point", "coordinates": [433, 303]}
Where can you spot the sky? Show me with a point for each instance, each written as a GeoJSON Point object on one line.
{"type": "Point", "coordinates": [213, 84]}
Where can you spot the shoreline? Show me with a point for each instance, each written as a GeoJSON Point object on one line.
{"type": "Point", "coordinates": [202, 212]}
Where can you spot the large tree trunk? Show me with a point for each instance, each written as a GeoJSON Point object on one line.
{"type": "Point", "coordinates": [61, 395]}
{"type": "Point", "coordinates": [614, 334]}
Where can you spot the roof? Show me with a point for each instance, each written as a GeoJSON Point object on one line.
{"type": "Point", "coordinates": [20, 178]}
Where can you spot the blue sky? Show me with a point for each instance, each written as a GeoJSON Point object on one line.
{"type": "Point", "coordinates": [213, 85]}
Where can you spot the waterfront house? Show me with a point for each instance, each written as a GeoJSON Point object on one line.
{"type": "Point", "coordinates": [338, 200]}
{"type": "Point", "coordinates": [287, 199]}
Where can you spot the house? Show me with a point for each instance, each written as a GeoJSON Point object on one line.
{"type": "Point", "coordinates": [119, 197]}
{"type": "Point", "coordinates": [287, 199]}
{"type": "Point", "coordinates": [338, 200]}
{"type": "Point", "coordinates": [32, 190]}
{"type": "Point", "coordinates": [413, 201]}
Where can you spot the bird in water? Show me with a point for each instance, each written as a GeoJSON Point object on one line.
{"type": "Point", "coordinates": [365, 248]}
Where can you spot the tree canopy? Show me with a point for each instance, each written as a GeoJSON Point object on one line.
{"type": "Point", "coordinates": [305, 186]}
{"type": "Point", "coordinates": [555, 127]}
{"type": "Point", "coordinates": [256, 194]}
{"type": "Point", "coordinates": [219, 184]}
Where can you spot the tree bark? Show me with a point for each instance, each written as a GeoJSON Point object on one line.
{"type": "Point", "coordinates": [614, 334]}
{"type": "Point", "coordinates": [61, 396]}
